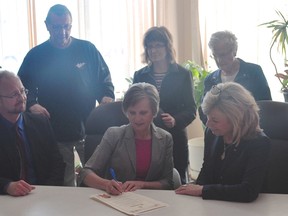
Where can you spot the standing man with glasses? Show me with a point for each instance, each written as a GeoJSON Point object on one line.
{"type": "Point", "coordinates": [28, 149]}
{"type": "Point", "coordinates": [65, 76]}
{"type": "Point", "coordinates": [224, 46]}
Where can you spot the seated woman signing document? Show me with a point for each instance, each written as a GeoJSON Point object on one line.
{"type": "Point", "coordinates": [134, 156]}
{"type": "Point", "coordinates": [236, 149]}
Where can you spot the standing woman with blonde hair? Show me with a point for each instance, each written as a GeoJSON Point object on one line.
{"type": "Point", "coordinates": [175, 87]}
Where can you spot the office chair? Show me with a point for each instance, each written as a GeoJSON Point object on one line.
{"type": "Point", "coordinates": [274, 122]}
{"type": "Point", "coordinates": [99, 120]}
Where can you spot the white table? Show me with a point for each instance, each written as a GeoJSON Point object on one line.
{"type": "Point", "coordinates": [62, 201]}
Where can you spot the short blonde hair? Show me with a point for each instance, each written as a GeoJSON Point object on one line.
{"type": "Point", "coordinates": [139, 91]}
{"type": "Point", "coordinates": [238, 105]}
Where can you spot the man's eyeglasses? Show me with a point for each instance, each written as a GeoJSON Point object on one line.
{"type": "Point", "coordinates": [215, 90]}
{"type": "Point", "coordinates": [58, 28]}
{"type": "Point", "coordinates": [15, 95]}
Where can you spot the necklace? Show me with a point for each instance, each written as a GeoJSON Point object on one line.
{"type": "Point", "coordinates": [226, 146]}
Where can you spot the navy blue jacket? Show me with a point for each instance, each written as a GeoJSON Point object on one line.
{"type": "Point", "coordinates": [250, 76]}
{"type": "Point", "coordinates": [67, 82]}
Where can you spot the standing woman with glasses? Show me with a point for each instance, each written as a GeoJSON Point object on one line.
{"type": "Point", "coordinates": [236, 149]}
{"type": "Point", "coordinates": [175, 87]}
{"type": "Point", "coordinates": [224, 46]}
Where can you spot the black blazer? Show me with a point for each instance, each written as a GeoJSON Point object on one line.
{"type": "Point", "coordinates": [48, 163]}
{"type": "Point", "coordinates": [240, 175]}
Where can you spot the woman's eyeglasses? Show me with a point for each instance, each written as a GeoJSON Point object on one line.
{"type": "Point", "coordinates": [156, 46]}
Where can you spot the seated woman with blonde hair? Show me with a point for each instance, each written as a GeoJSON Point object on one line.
{"type": "Point", "coordinates": [236, 149]}
{"type": "Point", "coordinates": [134, 156]}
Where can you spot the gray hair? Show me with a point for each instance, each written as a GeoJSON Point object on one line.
{"type": "Point", "coordinates": [139, 91]}
{"type": "Point", "coordinates": [238, 105]}
{"type": "Point", "coordinates": [4, 74]}
{"type": "Point", "coordinates": [58, 10]}
{"type": "Point", "coordinates": [226, 37]}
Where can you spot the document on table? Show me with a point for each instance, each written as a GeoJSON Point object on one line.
{"type": "Point", "coordinates": [129, 203]}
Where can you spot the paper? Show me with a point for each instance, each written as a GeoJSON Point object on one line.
{"type": "Point", "coordinates": [129, 203]}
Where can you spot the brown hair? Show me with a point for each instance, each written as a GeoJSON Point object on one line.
{"type": "Point", "coordinates": [159, 34]}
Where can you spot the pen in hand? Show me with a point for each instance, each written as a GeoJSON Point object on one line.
{"type": "Point", "coordinates": [118, 185]}
{"type": "Point", "coordinates": [112, 172]}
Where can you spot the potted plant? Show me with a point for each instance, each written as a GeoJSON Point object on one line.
{"type": "Point", "coordinates": [199, 74]}
{"type": "Point", "coordinates": [280, 38]}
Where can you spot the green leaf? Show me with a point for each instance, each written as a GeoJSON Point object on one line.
{"type": "Point", "coordinates": [199, 74]}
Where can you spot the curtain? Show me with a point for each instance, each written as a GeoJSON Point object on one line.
{"type": "Point", "coordinates": [182, 19]}
{"type": "Point", "coordinates": [14, 40]}
{"type": "Point", "coordinates": [117, 28]}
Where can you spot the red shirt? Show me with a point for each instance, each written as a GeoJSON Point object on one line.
{"type": "Point", "coordinates": [143, 158]}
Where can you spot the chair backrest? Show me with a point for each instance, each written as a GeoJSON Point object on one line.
{"type": "Point", "coordinates": [99, 120]}
{"type": "Point", "coordinates": [176, 179]}
{"type": "Point", "coordinates": [103, 117]}
{"type": "Point", "coordinates": [274, 122]}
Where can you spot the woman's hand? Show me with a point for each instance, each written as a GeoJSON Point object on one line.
{"type": "Point", "coordinates": [168, 120]}
{"type": "Point", "coordinates": [132, 185]}
{"type": "Point", "coordinates": [114, 187]}
{"type": "Point", "coordinates": [19, 188]}
{"type": "Point", "coordinates": [190, 189]}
